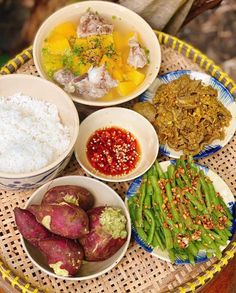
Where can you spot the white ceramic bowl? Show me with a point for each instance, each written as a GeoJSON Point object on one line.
{"type": "Point", "coordinates": [43, 90]}
{"type": "Point", "coordinates": [103, 195]}
{"type": "Point", "coordinates": [124, 17]}
{"type": "Point", "coordinates": [128, 120]}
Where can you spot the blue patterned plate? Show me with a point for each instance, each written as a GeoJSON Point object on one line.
{"type": "Point", "coordinates": [220, 186]}
{"type": "Point", "coordinates": [223, 95]}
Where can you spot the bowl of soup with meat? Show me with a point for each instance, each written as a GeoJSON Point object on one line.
{"type": "Point", "coordinates": [101, 53]}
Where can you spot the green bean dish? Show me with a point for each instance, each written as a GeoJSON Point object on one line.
{"type": "Point", "coordinates": [180, 211]}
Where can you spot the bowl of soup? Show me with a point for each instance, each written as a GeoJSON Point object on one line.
{"type": "Point", "coordinates": [101, 53]}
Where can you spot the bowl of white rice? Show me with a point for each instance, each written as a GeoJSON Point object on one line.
{"type": "Point", "coordinates": [39, 128]}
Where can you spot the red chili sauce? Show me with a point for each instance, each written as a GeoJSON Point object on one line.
{"type": "Point", "coordinates": [113, 151]}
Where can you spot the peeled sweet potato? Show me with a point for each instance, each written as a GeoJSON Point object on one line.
{"type": "Point", "coordinates": [63, 219]}
{"type": "Point", "coordinates": [107, 233]}
{"type": "Point", "coordinates": [71, 194]}
{"type": "Point", "coordinates": [63, 255]}
{"type": "Point", "coordinates": [30, 229]}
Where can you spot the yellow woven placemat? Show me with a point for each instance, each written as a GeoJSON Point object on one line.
{"type": "Point", "coordinates": [138, 271]}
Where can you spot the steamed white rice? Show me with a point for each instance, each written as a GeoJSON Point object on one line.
{"type": "Point", "coordinates": [31, 134]}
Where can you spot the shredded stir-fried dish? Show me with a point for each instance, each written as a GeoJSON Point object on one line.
{"type": "Point", "coordinates": [188, 115]}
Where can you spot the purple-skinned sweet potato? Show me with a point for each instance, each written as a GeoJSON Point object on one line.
{"type": "Point", "coordinates": [73, 194]}
{"type": "Point", "coordinates": [63, 255]}
{"type": "Point", "coordinates": [107, 233]}
{"type": "Point", "coordinates": [63, 219]}
{"type": "Point", "coordinates": [30, 229]}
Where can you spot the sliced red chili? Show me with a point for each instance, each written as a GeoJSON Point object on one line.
{"type": "Point", "coordinates": [113, 151]}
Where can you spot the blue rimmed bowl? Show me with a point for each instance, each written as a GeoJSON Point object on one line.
{"type": "Point", "coordinates": [224, 96]}
{"type": "Point", "coordinates": [220, 186]}
{"type": "Point", "coordinates": [41, 89]}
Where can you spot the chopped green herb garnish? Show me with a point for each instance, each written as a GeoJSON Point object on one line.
{"type": "Point", "coordinates": [45, 51]}
{"type": "Point", "coordinates": [95, 43]}
{"type": "Point", "coordinates": [72, 40]}
{"type": "Point", "coordinates": [78, 50]}
{"type": "Point", "coordinates": [147, 54]}
{"type": "Point", "coordinates": [113, 17]}
{"type": "Point", "coordinates": [67, 60]}
{"type": "Point", "coordinates": [82, 60]}
{"type": "Point", "coordinates": [110, 51]}
{"type": "Point", "coordinates": [76, 72]}
{"type": "Point", "coordinates": [106, 65]}
{"type": "Point", "coordinates": [50, 73]}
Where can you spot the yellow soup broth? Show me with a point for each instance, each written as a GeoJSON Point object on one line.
{"type": "Point", "coordinates": [64, 49]}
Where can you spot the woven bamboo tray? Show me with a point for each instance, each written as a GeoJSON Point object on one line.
{"type": "Point", "coordinates": [138, 271]}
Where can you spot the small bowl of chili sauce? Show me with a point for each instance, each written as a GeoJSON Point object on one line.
{"type": "Point", "coordinates": [116, 144]}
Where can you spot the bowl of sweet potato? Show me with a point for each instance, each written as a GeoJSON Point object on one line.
{"type": "Point", "coordinates": [74, 228]}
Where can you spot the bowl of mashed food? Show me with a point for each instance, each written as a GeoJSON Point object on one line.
{"type": "Point", "coordinates": [100, 53]}
{"type": "Point", "coordinates": [39, 127]}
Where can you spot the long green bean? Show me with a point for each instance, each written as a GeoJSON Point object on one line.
{"type": "Point", "coordinates": [141, 233]}
{"type": "Point", "coordinates": [158, 234]}
{"type": "Point", "coordinates": [179, 205]}
{"type": "Point", "coordinates": [155, 242]}
{"type": "Point", "coordinates": [168, 238]}
{"type": "Point", "coordinates": [131, 210]}
{"type": "Point", "coordinates": [170, 198]}
{"type": "Point", "coordinates": [139, 211]}
{"type": "Point", "coordinates": [206, 191]}
{"type": "Point", "coordinates": [157, 196]}
{"type": "Point", "coordinates": [192, 165]}
{"type": "Point", "coordinates": [212, 193]}
{"type": "Point", "coordinates": [149, 191]}
{"type": "Point", "coordinates": [151, 231]}
{"type": "Point", "coordinates": [194, 201]}
{"type": "Point", "coordinates": [193, 249]}
{"type": "Point", "coordinates": [171, 175]}
{"type": "Point", "coordinates": [146, 225]}
{"type": "Point", "coordinates": [159, 170]}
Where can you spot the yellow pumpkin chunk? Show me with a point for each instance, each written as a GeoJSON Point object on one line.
{"type": "Point", "coordinates": [125, 87]}
{"type": "Point", "coordinates": [79, 68]}
{"type": "Point", "coordinates": [51, 62]}
{"type": "Point", "coordinates": [107, 41]}
{"type": "Point", "coordinates": [80, 45]}
{"type": "Point", "coordinates": [94, 42]}
{"type": "Point", "coordinates": [117, 74]}
{"type": "Point", "coordinates": [127, 68]}
{"type": "Point", "coordinates": [92, 56]}
{"type": "Point", "coordinates": [119, 41]}
{"type": "Point", "coordinates": [66, 29]}
{"type": "Point", "coordinates": [58, 45]}
{"type": "Point", "coordinates": [110, 64]}
{"type": "Point", "coordinates": [135, 76]}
